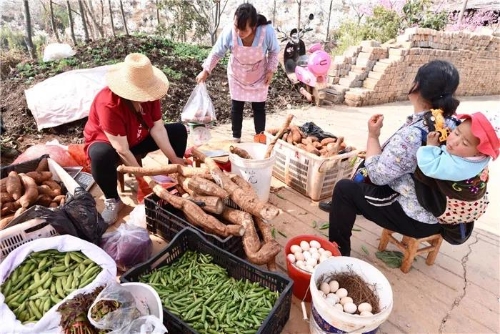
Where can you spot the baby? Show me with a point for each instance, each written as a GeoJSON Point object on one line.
{"type": "Point", "coordinates": [468, 150]}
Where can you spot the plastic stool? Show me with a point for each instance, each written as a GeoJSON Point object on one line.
{"type": "Point", "coordinates": [410, 247]}
{"type": "Point", "coordinates": [121, 176]}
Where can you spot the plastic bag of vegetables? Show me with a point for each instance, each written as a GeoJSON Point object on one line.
{"type": "Point", "coordinates": [128, 245]}
{"type": "Point", "coordinates": [199, 107]}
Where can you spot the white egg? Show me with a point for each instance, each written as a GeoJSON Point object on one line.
{"type": "Point", "coordinates": [327, 253]}
{"type": "Point", "coordinates": [295, 248]}
{"type": "Point", "coordinates": [321, 250]}
{"type": "Point", "coordinates": [313, 250]}
{"type": "Point", "coordinates": [315, 256]}
{"type": "Point", "coordinates": [339, 307]}
{"type": "Point", "coordinates": [300, 263]}
{"type": "Point", "coordinates": [315, 244]}
{"type": "Point", "coordinates": [350, 308]}
{"type": "Point", "coordinates": [311, 262]}
{"type": "Point", "coordinates": [332, 296]}
{"type": "Point", "coordinates": [325, 288]}
{"type": "Point", "coordinates": [299, 256]}
{"type": "Point", "coordinates": [307, 255]}
{"type": "Point", "coordinates": [309, 268]}
{"type": "Point", "coordinates": [364, 307]}
{"type": "Point", "coordinates": [345, 300]}
{"type": "Point", "coordinates": [334, 286]}
{"type": "Point", "coordinates": [365, 314]}
{"type": "Point", "coordinates": [304, 245]}
{"type": "Point", "coordinates": [330, 301]}
{"type": "Point", "coordinates": [341, 292]}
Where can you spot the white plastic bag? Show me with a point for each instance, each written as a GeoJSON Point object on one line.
{"type": "Point", "coordinates": [199, 107]}
{"type": "Point", "coordinates": [55, 51]}
{"type": "Point", "coordinates": [63, 243]}
{"type": "Point", "coordinates": [145, 325]}
{"type": "Point", "coordinates": [137, 216]}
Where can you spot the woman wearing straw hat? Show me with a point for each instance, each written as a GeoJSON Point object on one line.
{"type": "Point", "coordinates": [125, 120]}
{"type": "Point", "coordinates": [254, 58]}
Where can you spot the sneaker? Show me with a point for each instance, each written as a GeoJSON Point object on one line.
{"type": "Point", "coordinates": [325, 206]}
{"type": "Point", "coordinates": [112, 207]}
{"type": "Point", "coordinates": [236, 140]}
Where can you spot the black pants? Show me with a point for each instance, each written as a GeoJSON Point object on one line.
{"type": "Point", "coordinates": [104, 158]}
{"type": "Point", "coordinates": [259, 117]}
{"type": "Point", "coordinates": [348, 200]}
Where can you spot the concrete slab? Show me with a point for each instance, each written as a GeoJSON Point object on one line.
{"type": "Point", "coordinates": [459, 293]}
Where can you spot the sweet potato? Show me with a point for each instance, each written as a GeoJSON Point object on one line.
{"type": "Point", "coordinates": [296, 133]}
{"type": "Point", "coordinates": [5, 221]}
{"type": "Point", "coordinates": [43, 165]}
{"type": "Point", "coordinates": [14, 185]}
{"type": "Point", "coordinates": [59, 198]}
{"type": "Point", "coordinates": [46, 190]}
{"type": "Point", "coordinates": [280, 133]}
{"type": "Point", "coordinates": [19, 211]}
{"type": "Point", "coordinates": [327, 141]}
{"type": "Point", "coordinates": [39, 177]}
{"type": "Point", "coordinates": [54, 186]}
{"type": "Point", "coordinates": [273, 131]}
{"type": "Point", "coordinates": [240, 152]}
{"type": "Point", "coordinates": [43, 200]}
{"type": "Point", "coordinates": [3, 185]}
{"type": "Point", "coordinates": [30, 191]}
{"type": "Point", "coordinates": [5, 197]}
{"type": "Point", "coordinates": [285, 136]}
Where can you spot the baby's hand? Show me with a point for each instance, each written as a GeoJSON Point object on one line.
{"type": "Point", "coordinates": [433, 138]}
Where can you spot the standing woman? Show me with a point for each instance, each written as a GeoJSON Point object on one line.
{"type": "Point", "coordinates": [125, 120]}
{"type": "Point", "coordinates": [254, 58]}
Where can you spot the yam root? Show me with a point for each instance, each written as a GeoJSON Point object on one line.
{"type": "Point", "coordinates": [53, 185]}
{"type": "Point", "coordinates": [46, 190]}
{"type": "Point", "coordinates": [280, 133]}
{"type": "Point", "coordinates": [266, 253]}
{"type": "Point", "coordinates": [188, 171]}
{"type": "Point", "coordinates": [43, 165]}
{"type": "Point", "coordinates": [243, 184]}
{"type": "Point", "coordinates": [245, 201]}
{"type": "Point", "coordinates": [39, 177]}
{"type": "Point", "coordinates": [240, 152]}
{"type": "Point", "coordinates": [14, 185]}
{"type": "Point", "coordinates": [267, 236]}
{"type": "Point", "coordinates": [30, 191]}
{"type": "Point", "coordinates": [5, 221]}
{"type": "Point", "coordinates": [194, 214]}
{"type": "Point", "coordinates": [149, 171]}
{"type": "Point", "coordinates": [251, 241]}
{"type": "Point", "coordinates": [206, 187]}
{"type": "Point", "coordinates": [183, 183]}
{"type": "Point", "coordinates": [212, 204]}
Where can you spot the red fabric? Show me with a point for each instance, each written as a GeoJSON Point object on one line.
{"type": "Point", "coordinates": [77, 152]}
{"type": "Point", "coordinates": [110, 113]}
{"type": "Point", "coordinates": [56, 153]}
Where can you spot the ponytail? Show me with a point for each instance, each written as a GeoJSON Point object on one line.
{"type": "Point", "coordinates": [262, 20]}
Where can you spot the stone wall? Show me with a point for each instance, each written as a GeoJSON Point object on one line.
{"type": "Point", "coordinates": [373, 74]}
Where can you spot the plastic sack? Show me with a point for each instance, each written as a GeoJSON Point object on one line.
{"type": "Point", "coordinates": [199, 107]}
{"type": "Point", "coordinates": [128, 245]}
{"type": "Point", "coordinates": [311, 129]}
{"type": "Point", "coordinates": [64, 243]}
{"type": "Point", "coordinates": [56, 51]}
{"type": "Point", "coordinates": [57, 153]}
{"type": "Point", "coordinates": [113, 309]}
{"type": "Point", "coordinates": [77, 152]}
{"type": "Point", "coordinates": [137, 217]}
{"type": "Point", "coordinates": [145, 325]}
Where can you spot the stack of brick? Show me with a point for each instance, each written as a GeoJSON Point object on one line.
{"type": "Point", "coordinates": [390, 73]}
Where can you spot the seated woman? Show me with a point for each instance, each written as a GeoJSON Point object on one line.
{"type": "Point", "coordinates": [389, 200]}
{"type": "Point", "coordinates": [125, 120]}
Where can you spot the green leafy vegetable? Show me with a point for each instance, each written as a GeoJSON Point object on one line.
{"type": "Point", "coordinates": [393, 259]}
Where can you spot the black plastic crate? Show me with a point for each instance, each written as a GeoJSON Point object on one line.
{"type": "Point", "coordinates": [189, 239]}
{"type": "Point", "coordinates": [166, 221]}
{"type": "Point", "coordinates": [22, 167]}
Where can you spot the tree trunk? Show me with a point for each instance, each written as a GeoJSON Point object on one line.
{"type": "Point", "coordinates": [84, 22]}
{"type": "Point", "coordinates": [71, 25]}
{"type": "Point", "coordinates": [123, 16]}
{"type": "Point", "coordinates": [90, 12]}
{"type": "Point", "coordinates": [53, 22]}
{"type": "Point", "coordinates": [213, 35]}
{"type": "Point", "coordinates": [158, 13]}
{"type": "Point", "coordinates": [102, 15]}
{"type": "Point", "coordinates": [274, 13]}
{"type": "Point", "coordinates": [29, 39]}
{"type": "Point", "coordinates": [329, 18]}
{"type": "Point", "coordinates": [461, 15]}
{"type": "Point", "coordinates": [299, 3]}
{"type": "Point", "coordinates": [111, 19]}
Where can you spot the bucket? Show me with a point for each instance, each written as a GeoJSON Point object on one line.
{"type": "Point", "coordinates": [148, 301]}
{"type": "Point", "coordinates": [301, 278]}
{"type": "Point", "coordinates": [328, 319]}
{"type": "Point", "coordinates": [257, 171]}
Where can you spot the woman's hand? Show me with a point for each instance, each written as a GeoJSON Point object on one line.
{"type": "Point", "coordinates": [178, 161]}
{"type": "Point", "coordinates": [375, 123]}
{"type": "Point", "coordinates": [202, 76]}
{"type": "Point", "coordinates": [269, 77]}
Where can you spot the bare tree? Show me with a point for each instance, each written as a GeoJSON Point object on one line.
{"type": "Point", "coordinates": [29, 39]}
{"type": "Point", "coordinates": [123, 17]}
{"type": "Point", "coordinates": [158, 12]}
{"type": "Point", "coordinates": [71, 25]}
{"type": "Point", "coordinates": [84, 22]}
{"type": "Point", "coordinates": [274, 12]}
{"type": "Point", "coordinates": [111, 18]}
{"type": "Point", "coordinates": [90, 11]}
{"type": "Point", "coordinates": [299, 12]}
{"type": "Point", "coordinates": [461, 15]}
{"type": "Point", "coordinates": [329, 18]}
{"type": "Point", "coordinates": [53, 22]}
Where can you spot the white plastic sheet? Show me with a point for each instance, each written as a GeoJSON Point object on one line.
{"type": "Point", "coordinates": [49, 323]}
{"type": "Point", "coordinates": [65, 97]}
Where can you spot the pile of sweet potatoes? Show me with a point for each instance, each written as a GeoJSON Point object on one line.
{"type": "Point", "coordinates": [326, 147]}
{"type": "Point", "coordinates": [19, 191]}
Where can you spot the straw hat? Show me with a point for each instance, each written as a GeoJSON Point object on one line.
{"type": "Point", "coordinates": [137, 80]}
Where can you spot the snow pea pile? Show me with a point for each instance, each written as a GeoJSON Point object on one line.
{"type": "Point", "coordinates": [45, 278]}
{"type": "Point", "coordinates": [203, 295]}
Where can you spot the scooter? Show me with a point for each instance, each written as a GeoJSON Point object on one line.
{"type": "Point", "coordinates": [310, 69]}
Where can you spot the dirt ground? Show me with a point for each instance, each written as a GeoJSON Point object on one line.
{"type": "Point", "coordinates": [18, 74]}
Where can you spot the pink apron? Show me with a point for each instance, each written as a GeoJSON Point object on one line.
{"type": "Point", "coordinates": [246, 71]}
